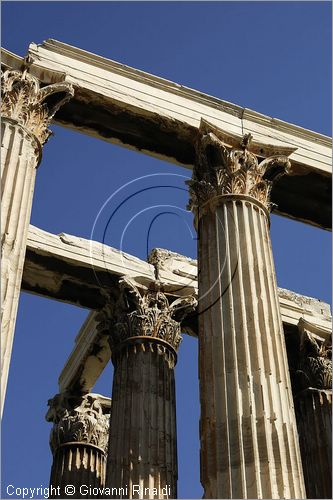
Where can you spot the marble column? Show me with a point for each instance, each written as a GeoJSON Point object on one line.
{"type": "Point", "coordinates": [145, 336]}
{"type": "Point", "coordinates": [26, 110]}
{"type": "Point", "coordinates": [79, 441]}
{"type": "Point", "coordinates": [249, 442]}
{"type": "Point", "coordinates": [311, 370]}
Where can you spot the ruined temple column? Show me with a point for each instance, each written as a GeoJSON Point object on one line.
{"type": "Point", "coordinates": [26, 110]}
{"type": "Point", "coordinates": [79, 442]}
{"type": "Point", "coordinates": [311, 369]}
{"type": "Point", "coordinates": [142, 461]}
{"type": "Point", "coordinates": [249, 442]}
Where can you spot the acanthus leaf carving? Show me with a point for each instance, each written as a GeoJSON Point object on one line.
{"type": "Point", "coordinates": [78, 419]}
{"type": "Point", "coordinates": [221, 169]}
{"type": "Point", "coordinates": [33, 107]}
{"type": "Point", "coordinates": [148, 313]}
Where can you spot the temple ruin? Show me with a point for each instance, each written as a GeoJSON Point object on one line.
{"type": "Point", "coordinates": [265, 364]}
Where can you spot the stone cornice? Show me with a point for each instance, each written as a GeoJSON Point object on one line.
{"type": "Point", "coordinates": [317, 331]}
{"type": "Point", "coordinates": [153, 116]}
{"type": "Point", "coordinates": [32, 107]}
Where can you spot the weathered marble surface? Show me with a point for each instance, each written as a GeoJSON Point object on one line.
{"type": "Point", "coordinates": [248, 434]}
{"type": "Point", "coordinates": [79, 443]}
{"type": "Point", "coordinates": [314, 421]}
{"type": "Point", "coordinates": [52, 259]}
{"type": "Point", "coordinates": [144, 335]}
{"type": "Point", "coordinates": [155, 116]}
{"type": "Point", "coordinates": [26, 111]}
{"type": "Point", "coordinates": [310, 363]}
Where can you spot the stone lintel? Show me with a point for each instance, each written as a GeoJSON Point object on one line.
{"type": "Point", "coordinates": [65, 267]}
{"type": "Point", "coordinates": [79, 441]}
{"type": "Point", "coordinates": [161, 118]}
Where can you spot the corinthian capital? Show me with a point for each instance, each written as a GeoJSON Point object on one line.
{"type": "Point", "coordinates": [227, 164]}
{"type": "Point", "coordinates": [148, 314]}
{"type": "Point", "coordinates": [314, 366]}
{"type": "Point", "coordinates": [83, 419]}
{"type": "Point", "coordinates": [33, 107]}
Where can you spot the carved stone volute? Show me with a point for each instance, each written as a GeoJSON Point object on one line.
{"type": "Point", "coordinates": [314, 365]}
{"type": "Point", "coordinates": [147, 314]}
{"type": "Point", "coordinates": [223, 168]}
{"type": "Point", "coordinates": [23, 101]}
{"type": "Point", "coordinates": [78, 420]}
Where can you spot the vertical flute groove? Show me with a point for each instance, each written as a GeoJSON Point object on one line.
{"type": "Point", "coordinates": [81, 466]}
{"type": "Point", "coordinates": [242, 361]}
{"type": "Point", "coordinates": [147, 424]}
{"type": "Point", "coordinates": [248, 429]}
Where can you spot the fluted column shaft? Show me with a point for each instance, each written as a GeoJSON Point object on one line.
{"type": "Point", "coordinates": [249, 442]}
{"type": "Point", "coordinates": [145, 336]}
{"type": "Point", "coordinates": [25, 115]}
{"type": "Point", "coordinates": [78, 441]}
{"type": "Point", "coordinates": [20, 154]}
{"type": "Point", "coordinates": [143, 436]}
{"type": "Point", "coordinates": [81, 467]}
{"type": "Point", "coordinates": [248, 432]}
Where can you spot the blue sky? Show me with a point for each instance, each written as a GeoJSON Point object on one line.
{"type": "Point", "coordinates": [273, 57]}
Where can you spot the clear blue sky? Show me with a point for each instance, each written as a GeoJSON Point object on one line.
{"type": "Point", "coordinates": [272, 57]}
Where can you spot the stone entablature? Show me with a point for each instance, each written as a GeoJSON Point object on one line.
{"type": "Point", "coordinates": [228, 170]}
{"type": "Point", "coordinates": [92, 352]}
